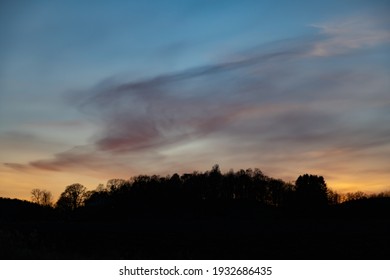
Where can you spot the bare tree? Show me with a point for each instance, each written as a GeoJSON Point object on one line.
{"type": "Point", "coordinates": [115, 184]}
{"type": "Point", "coordinates": [36, 195]}
{"type": "Point", "coordinates": [355, 196]}
{"type": "Point", "coordinates": [46, 199]}
{"type": "Point", "coordinates": [41, 197]}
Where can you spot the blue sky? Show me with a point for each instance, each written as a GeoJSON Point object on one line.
{"type": "Point", "coordinates": [103, 89]}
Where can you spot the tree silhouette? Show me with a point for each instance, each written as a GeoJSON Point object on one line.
{"type": "Point", "coordinates": [242, 214]}
{"type": "Point", "coordinates": [355, 196]}
{"type": "Point", "coordinates": [311, 192]}
{"type": "Point", "coordinates": [41, 197]}
{"type": "Point", "coordinates": [334, 197]}
{"type": "Point", "coordinates": [114, 185]}
{"type": "Point", "coordinates": [73, 197]}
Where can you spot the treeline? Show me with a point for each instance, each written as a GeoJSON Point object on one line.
{"type": "Point", "coordinates": [200, 215]}
{"type": "Point", "coordinates": [242, 193]}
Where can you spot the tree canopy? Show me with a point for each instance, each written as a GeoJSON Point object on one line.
{"type": "Point", "coordinates": [73, 197]}
{"type": "Point", "coordinates": [311, 191]}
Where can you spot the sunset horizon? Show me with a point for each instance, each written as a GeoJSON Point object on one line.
{"type": "Point", "coordinates": [57, 184]}
{"type": "Point", "coordinates": [90, 93]}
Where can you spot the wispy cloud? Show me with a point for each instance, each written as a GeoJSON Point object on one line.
{"type": "Point", "coordinates": [16, 166]}
{"type": "Point", "coordinates": [342, 36]}
{"type": "Point", "coordinates": [284, 107]}
{"type": "Point", "coordinates": [66, 160]}
{"type": "Point", "coordinates": [173, 107]}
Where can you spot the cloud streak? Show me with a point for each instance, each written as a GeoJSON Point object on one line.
{"type": "Point", "coordinates": [354, 33]}
{"type": "Point", "coordinates": [286, 106]}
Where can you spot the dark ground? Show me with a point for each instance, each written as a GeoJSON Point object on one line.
{"type": "Point", "coordinates": [198, 239]}
{"type": "Point", "coordinates": [358, 230]}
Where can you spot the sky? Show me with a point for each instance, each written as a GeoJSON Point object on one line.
{"type": "Point", "coordinates": [95, 90]}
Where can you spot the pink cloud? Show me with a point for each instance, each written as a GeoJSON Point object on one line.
{"type": "Point", "coordinates": [349, 34]}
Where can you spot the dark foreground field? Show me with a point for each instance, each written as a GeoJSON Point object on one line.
{"type": "Point", "coordinates": [218, 237]}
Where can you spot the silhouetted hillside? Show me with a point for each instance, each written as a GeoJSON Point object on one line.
{"type": "Point", "coordinates": [210, 215]}
{"type": "Point", "coordinates": [12, 210]}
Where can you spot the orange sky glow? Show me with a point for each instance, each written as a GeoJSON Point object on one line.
{"type": "Point", "coordinates": [89, 94]}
